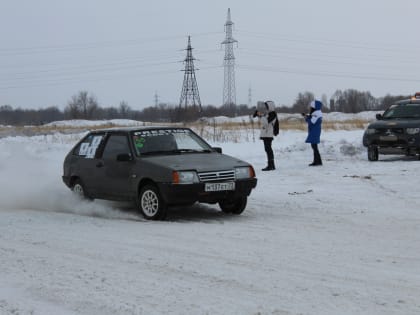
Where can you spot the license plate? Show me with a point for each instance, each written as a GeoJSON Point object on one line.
{"type": "Point", "coordinates": [219, 186]}
{"type": "Point", "coordinates": [388, 138]}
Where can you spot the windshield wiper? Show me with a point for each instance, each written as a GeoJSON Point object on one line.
{"type": "Point", "coordinates": [192, 151]}
{"type": "Point", "coordinates": [156, 152]}
{"type": "Point", "coordinates": [175, 151]}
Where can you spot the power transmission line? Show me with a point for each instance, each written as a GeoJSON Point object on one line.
{"type": "Point", "coordinates": [99, 44]}
{"type": "Point", "coordinates": [392, 47]}
{"type": "Point", "coordinates": [325, 74]}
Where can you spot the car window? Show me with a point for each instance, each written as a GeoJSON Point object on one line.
{"type": "Point", "coordinates": [88, 147]}
{"type": "Point", "coordinates": [116, 144]}
{"type": "Point", "coordinates": [167, 140]}
{"type": "Point", "coordinates": [189, 141]}
{"type": "Point", "coordinates": [403, 111]}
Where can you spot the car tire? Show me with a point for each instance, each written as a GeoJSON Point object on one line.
{"type": "Point", "coordinates": [373, 154]}
{"type": "Point", "coordinates": [234, 205]}
{"type": "Point", "coordinates": [79, 189]}
{"type": "Point", "coordinates": [151, 204]}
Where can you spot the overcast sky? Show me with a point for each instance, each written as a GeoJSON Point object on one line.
{"type": "Point", "coordinates": [129, 50]}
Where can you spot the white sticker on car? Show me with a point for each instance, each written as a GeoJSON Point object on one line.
{"type": "Point", "coordinates": [84, 148]}
{"type": "Point", "coordinates": [91, 152]}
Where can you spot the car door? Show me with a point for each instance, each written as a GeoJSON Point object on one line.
{"type": "Point", "coordinates": [113, 175]}
{"type": "Point", "coordinates": [85, 160]}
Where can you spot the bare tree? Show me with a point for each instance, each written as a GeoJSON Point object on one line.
{"type": "Point", "coordinates": [302, 102]}
{"type": "Point", "coordinates": [124, 110]}
{"type": "Point", "coordinates": [82, 106]}
{"type": "Point", "coordinates": [353, 101]}
{"type": "Point", "coordinates": [338, 101]}
{"type": "Point", "coordinates": [326, 105]}
{"type": "Point", "coordinates": [387, 100]}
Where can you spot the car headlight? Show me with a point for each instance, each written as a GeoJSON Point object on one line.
{"type": "Point", "coordinates": [370, 131]}
{"type": "Point", "coordinates": [413, 131]}
{"type": "Point", "coordinates": [244, 172]}
{"type": "Point", "coordinates": [184, 177]}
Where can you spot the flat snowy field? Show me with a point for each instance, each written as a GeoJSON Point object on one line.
{"type": "Point", "coordinates": [343, 238]}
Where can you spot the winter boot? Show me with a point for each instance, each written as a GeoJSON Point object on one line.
{"type": "Point", "coordinates": [270, 166]}
{"type": "Point", "coordinates": [317, 157]}
{"type": "Point", "coordinates": [317, 163]}
{"type": "Point", "coordinates": [314, 164]}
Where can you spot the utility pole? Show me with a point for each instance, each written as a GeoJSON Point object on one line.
{"type": "Point", "coordinates": [189, 93]}
{"type": "Point", "coordinates": [229, 89]}
{"type": "Point", "coordinates": [156, 99]}
{"type": "Point", "coordinates": [249, 96]}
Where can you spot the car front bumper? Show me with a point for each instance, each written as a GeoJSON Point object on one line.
{"type": "Point", "coordinates": [393, 143]}
{"type": "Point", "coordinates": [178, 194]}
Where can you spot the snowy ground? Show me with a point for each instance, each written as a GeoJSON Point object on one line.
{"type": "Point", "coordinates": [338, 239]}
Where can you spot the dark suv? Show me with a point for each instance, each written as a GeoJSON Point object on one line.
{"type": "Point", "coordinates": [157, 168]}
{"type": "Point", "coordinates": [397, 131]}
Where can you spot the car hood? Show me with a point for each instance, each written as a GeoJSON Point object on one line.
{"type": "Point", "coordinates": [201, 162]}
{"type": "Point", "coordinates": [395, 123]}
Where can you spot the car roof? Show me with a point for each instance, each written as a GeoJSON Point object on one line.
{"type": "Point", "coordinates": [408, 101]}
{"type": "Point", "coordinates": [130, 129]}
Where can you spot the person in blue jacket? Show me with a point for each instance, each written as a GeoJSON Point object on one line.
{"type": "Point", "coordinates": [314, 121]}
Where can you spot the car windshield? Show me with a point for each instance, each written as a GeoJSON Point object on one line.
{"type": "Point", "coordinates": [168, 141]}
{"type": "Point", "coordinates": [402, 111]}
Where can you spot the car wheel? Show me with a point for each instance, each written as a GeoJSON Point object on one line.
{"type": "Point", "coordinates": [150, 203]}
{"type": "Point", "coordinates": [234, 205]}
{"type": "Point", "coordinates": [373, 154]}
{"type": "Point", "coordinates": [79, 189]}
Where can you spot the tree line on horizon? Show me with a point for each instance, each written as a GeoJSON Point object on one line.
{"type": "Point", "coordinates": [85, 106]}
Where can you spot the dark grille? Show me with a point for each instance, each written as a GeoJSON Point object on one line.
{"type": "Point", "coordinates": [387, 131]}
{"type": "Point", "coordinates": [219, 176]}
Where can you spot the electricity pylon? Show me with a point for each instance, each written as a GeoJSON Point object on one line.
{"type": "Point", "coordinates": [229, 89]}
{"type": "Point", "coordinates": [189, 94]}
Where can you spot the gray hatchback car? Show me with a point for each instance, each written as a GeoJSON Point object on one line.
{"type": "Point", "coordinates": [157, 167]}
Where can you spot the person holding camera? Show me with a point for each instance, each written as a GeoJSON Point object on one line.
{"type": "Point", "coordinates": [268, 118]}
{"type": "Point", "coordinates": [314, 121]}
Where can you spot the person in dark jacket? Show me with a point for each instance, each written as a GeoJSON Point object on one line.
{"type": "Point", "coordinates": [314, 121]}
{"type": "Point", "coordinates": [267, 115]}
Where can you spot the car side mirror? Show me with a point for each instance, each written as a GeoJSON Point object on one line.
{"type": "Point", "coordinates": [217, 149]}
{"type": "Point", "coordinates": [124, 157]}
{"type": "Point", "coordinates": [378, 116]}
